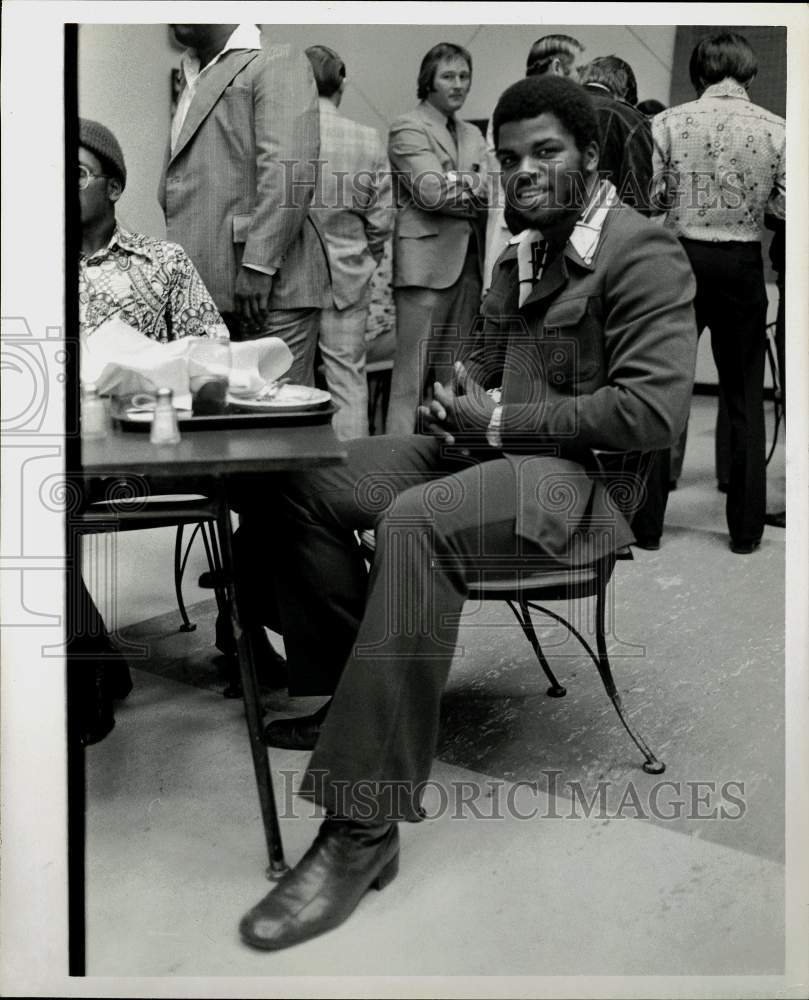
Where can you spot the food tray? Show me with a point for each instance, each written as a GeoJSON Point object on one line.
{"type": "Point", "coordinates": [229, 420]}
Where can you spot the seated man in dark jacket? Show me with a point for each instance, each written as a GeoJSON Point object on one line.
{"type": "Point", "coordinates": [588, 331]}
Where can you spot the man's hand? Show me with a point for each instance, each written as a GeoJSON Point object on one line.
{"type": "Point", "coordinates": [459, 412]}
{"type": "Point", "coordinates": [437, 418]}
{"type": "Point", "coordinates": [252, 295]}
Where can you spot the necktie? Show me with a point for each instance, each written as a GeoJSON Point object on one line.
{"type": "Point", "coordinates": [452, 129]}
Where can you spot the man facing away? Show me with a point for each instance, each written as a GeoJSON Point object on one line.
{"type": "Point", "coordinates": [722, 160]}
{"type": "Point", "coordinates": [237, 182]}
{"type": "Point", "coordinates": [354, 211]}
{"type": "Point", "coordinates": [625, 158]}
{"type": "Point", "coordinates": [626, 137]}
{"type": "Point", "coordinates": [588, 330]}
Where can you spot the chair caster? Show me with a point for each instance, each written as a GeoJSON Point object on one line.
{"type": "Point", "coordinates": [654, 767]}
{"type": "Point", "coordinates": [190, 627]}
{"type": "Point", "coordinates": [556, 691]}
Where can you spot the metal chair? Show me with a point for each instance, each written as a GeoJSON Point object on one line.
{"type": "Point", "coordinates": [127, 509]}
{"type": "Point", "coordinates": [624, 475]}
{"type": "Point", "coordinates": [778, 390]}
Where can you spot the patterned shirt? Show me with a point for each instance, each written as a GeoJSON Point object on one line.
{"type": "Point", "coordinates": [149, 284]}
{"type": "Point", "coordinates": [722, 161]}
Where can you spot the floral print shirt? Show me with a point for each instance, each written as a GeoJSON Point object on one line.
{"type": "Point", "coordinates": [720, 164]}
{"type": "Point", "coordinates": [149, 284]}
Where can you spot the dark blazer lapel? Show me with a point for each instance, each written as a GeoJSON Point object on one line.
{"type": "Point", "coordinates": [209, 90]}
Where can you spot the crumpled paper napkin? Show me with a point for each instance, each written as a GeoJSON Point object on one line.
{"type": "Point", "coordinates": [122, 361]}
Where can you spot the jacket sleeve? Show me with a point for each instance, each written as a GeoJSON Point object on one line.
{"type": "Point", "coordinates": [377, 209]}
{"type": "Point", "coordinates": [650, 345]}
{"type": "Point", "coordinates": [636, 167]}
{"type": "Point", "coordinates": [287, 144]}
{"type": "Point", "coordinates": [420, 172]}
{"type": "Point", "coordinates": [664, 177]}
{"type": "Point", "coordinates": [776, 204]}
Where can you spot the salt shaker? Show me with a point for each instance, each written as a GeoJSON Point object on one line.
{"type": "Point", "coordinates": [94, 424]}
{"type": "Point", "coordinates": [165, 429]}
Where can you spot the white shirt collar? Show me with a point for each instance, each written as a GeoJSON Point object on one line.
{"type": "Point", "coordinates": [726, 88]}
{"type": "Point", "coordinates": [245, 36]}
{"type": "Point", "coordinates": [584, 238]}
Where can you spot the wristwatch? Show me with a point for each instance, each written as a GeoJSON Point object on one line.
{"type": "Point", "coordinates": [493, 435]}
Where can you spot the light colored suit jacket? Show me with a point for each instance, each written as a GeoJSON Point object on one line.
{"type": "Point", "coordinates": [353, 206]}
{"type": "Point", "coordinates": [238, 184]}
{"type": "Point", "coordinates": [432, 231]}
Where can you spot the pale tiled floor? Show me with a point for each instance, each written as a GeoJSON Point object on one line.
{"type": "Point", "coordinates": [175, 853]}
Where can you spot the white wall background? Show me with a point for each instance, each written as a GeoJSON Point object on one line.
{"type": "Point", "coordinates": [124, 82]}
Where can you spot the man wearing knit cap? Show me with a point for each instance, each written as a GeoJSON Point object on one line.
{"type": "Point", "coordinates": [148, 283]}
{"type": "Point", "coordinates": [153, 286]}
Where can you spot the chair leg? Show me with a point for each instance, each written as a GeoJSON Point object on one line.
{"type": "Point", "coordinates": [651, 765]}
{"type": "Point", "coordinates": [556, 690]}
{"type": "Point", "coordinates": [233, 681]}
{"type": "Point", "coordinates": [179, 567]}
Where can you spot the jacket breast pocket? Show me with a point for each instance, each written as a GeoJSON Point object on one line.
{"type": "Point", "coordinates": [572, 342]}
{"type": "Point", "coordinates": [235, 110]}
{"type": "Point", "coordinates": [416, 227]}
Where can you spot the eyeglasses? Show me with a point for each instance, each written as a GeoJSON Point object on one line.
{"type": "Point", "coordinates": [85, 176]}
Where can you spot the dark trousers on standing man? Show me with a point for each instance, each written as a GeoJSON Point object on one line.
{"type": "Point", "coordinates": [732, 301]}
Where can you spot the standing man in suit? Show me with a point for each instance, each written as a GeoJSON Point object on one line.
{"type": "Point", "coordinates": [239, 176]}
{"type": "Point", "coordinates": [589, 331]}
{"type": "Point", "coordinates": [440, 162]}
{"type": "Point", "coordinates": [354, 212]}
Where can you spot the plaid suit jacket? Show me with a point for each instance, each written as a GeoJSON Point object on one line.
{"type": "Point", "coordinates": [353, 206]}
{"type": "Point", "coordinates": [237, 187]}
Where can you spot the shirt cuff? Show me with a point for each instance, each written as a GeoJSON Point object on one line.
{"type": "Point", "coordinates": [271, 271]}
{"type": "Point", "coordinates": [493, 435]}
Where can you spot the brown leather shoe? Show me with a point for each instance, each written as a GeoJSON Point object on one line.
{"type": "Point", "coordinates": [324, 888]}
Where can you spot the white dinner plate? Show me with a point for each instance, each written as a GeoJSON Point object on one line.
{"type": "Point", "coordinates": [147, 416]}
{"type": "Point", "coordinates": [288, 397]}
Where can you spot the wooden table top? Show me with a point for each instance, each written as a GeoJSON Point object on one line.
{"type": "Point", "coordinates": [214, 453]}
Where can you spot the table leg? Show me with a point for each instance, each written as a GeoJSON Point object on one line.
{"type": "Point", "coordinates": [252, 704]}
